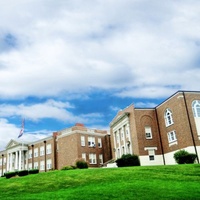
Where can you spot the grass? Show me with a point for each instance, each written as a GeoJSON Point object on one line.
{"type": "Point", "coordinates": [155, 182]}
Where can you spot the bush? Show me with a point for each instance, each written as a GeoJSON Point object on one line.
{"type": "Point", "coordinates": [184, 157]}
{"type": "Point", "coordinates": [23, 172]}
{"type": "Point", "coordinates": [33, 171]}
{"type": "Point", "coordinates": [67, 168]}
{"type": "Point", "coordinates": [10, 174]}
{"type": "Point", "coordinates": [81, 164]}
{"type": "Point", "coordinates": [128, 160]}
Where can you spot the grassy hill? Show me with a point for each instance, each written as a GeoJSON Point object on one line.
{"type": "Point", "coordinates": [156, 182]}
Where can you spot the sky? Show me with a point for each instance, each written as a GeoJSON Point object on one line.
{"type": "Point", "coordinates": [69, 61]}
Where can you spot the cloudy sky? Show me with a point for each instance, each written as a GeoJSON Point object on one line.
{"type": "Point", "coordinates": [69, 61]}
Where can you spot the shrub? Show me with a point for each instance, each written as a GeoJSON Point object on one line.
{"type": "Point", "coordinates": [33, 171]}
{"type": "Point", "coordinates": [67, 168]}
{"type": "Point", "coordinates": [23, 172]}
{"type": "Point", "coordinates": [10, 174]}
{"type": "Point", "coordinates": [128, 160]}
{"type": "Point", "coordinates": [184, 157]}
{"type": "Point", "coordinates": [81, 164]}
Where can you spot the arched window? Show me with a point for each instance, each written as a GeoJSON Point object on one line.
{"type": "Point", "coordinates": [168, 117]}
{"type": "Point", "coordinates": [196, 108]}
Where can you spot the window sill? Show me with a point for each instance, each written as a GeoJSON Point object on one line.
{"type": "Point", "coordinates": [168, 125]}
{"type": "Point", "coordinates": [173, 143]}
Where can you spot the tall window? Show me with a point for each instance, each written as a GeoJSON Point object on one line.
{"type": "Point", "coordinates": [99, 143]}
{"type": "Point", "coordinates": [168, 117]}
{"type": "Point", "coordinates": [100, 158]}
{"type": "Point", "coordinates": [91, 141]}
{"type": "Point", "coordinates": [30, 166]}
{"type": "Point", "coordinates": [49, 164]}
{"type": "Point", "coordinates": [84, 156]}
{"type": "Point", "coordinates": [196, 108]}
{"type": "Point", "coordinates": [92, 158]}
{"type": "Point", "coordinates": [42, 165]}
{"type": "Point", "coordinates": [172, 136]}
{"type": "Point", "coordinates": [35, 165]}
{"type": "Point", "coordinates": [42, 151]}
{"type": "Point", "coordinates": [36, 152]}
{"type": "Point", "coordinates": [30, 154]}
{"type": "Point", "coordinates": [82, 141]}
{"type": "Point", "coordinates": [48, 148]}
{"type": "Point", "coordinates": [148, 132]}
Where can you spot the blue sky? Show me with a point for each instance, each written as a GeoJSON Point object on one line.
{"type": "Point", "coordinates": [66, 61]}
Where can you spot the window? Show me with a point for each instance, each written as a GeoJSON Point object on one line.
{"type": "Point", "coordinates": [172, 136]}
{"type": "Point", "coordinates": [100, 158]}
{"type": "Point", "coordinates": [49, 165]}
{"type": "Point", "coordinates": [99, 143]}
{"type": "Point", "coordinates": [151, 157]}
{"type": "Point", "coordinates": [30, 166]}
{"type": "Point", "coordinates": [82, 141]}
{"type": "Point", "coordinates": [49, 149]}
{"type": "Point", "coordinates": [148, 132]}
{"type": "Point", "coordinates": [91, 141]}
{"type": "Point", "coordinates": [196, 108]}
{"type": "Point", "coordinates": [30, 154]}
{"type": "Point", "coordinates": [36, 152]}
{"type": "Point", "coordinates": [42, 151]}
{"type": "Point", "coordinates": [35, 165]}
{"type": "Point", "coordinates": [92, 158]}
{"type": "Point", "coordinates": [42, 165]}
{"type": "Point", "coordinates": [84, 156]}
{"type": "Point", "coordinates": [168, 117]}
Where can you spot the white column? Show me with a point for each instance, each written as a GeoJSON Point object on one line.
{"type": "Point", "coordinates": [16, 160]}
{"type": "Point", "coordinates": [11, 159]}
{"type": "Point", "coordinates": [27, 160]}
{"type": "Point", "coordinates": [20, 159]}
{"type": "Point", "coordinates": [8, 161]}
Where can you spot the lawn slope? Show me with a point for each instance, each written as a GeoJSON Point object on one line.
{"type": "Point", "coordinates": [156, 182]}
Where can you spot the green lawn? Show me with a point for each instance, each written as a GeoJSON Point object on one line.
{"type": "Point", "coordinates": [156, 182]}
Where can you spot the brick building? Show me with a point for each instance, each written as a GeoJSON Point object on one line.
{"type": "Point", "coordinates": [61, 149]}
{"type": "Point", "coordinates": [155, 134]}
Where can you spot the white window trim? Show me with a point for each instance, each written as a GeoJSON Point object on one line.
{"type": "Point", "coordinates": [49, 149]}
{"type": "Point", "coordinates": [101, 158]}
{"type": "Point", "coordinates": [168, 117]}
{"type": "Point", "coordinates": [92, 158]}
{"type": "Point", "coordinates": [172, 137]}
{"type": "Point", "coordinates": [99, 143]}
{"type": "Point", "coordinates": [151, 152]}
{"type": "Point", "coordinates": [148, 131]}
{"type": "Point", "coordinates": [82, 141]}
{"type": "Point", "coordinates": [195, 103]}
{"type": "Point", "coordinates": [91, 141]}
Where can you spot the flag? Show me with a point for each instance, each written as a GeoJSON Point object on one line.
{"type": "Point", "coordinates": [22, 129]}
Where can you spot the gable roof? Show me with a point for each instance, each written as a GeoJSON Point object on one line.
{"type": "Point", "coordinates": [13, 143]}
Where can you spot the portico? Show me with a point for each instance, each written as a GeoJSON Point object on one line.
{"type": "Point", "coordinates": [16, 156]}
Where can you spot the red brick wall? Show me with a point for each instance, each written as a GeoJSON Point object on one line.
{"type": "Point", "coordinates": [147, 117]}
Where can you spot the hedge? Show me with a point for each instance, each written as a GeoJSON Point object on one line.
{"type": "Point", "coordinates": [10, 174]}
{"type": "Point", "coordinates": [33, 171]}
{"type": "Point", "coordinates": [23, 172]}
{"type": "Point", "coordinates": [128, 160]}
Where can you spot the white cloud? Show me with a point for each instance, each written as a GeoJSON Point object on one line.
{"type": "Point", "coordinates": [9, 131]}
{"type": "Point", "coordinates": [67, 47]}
{"type": "Point", "coordinates": [50, 109]}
